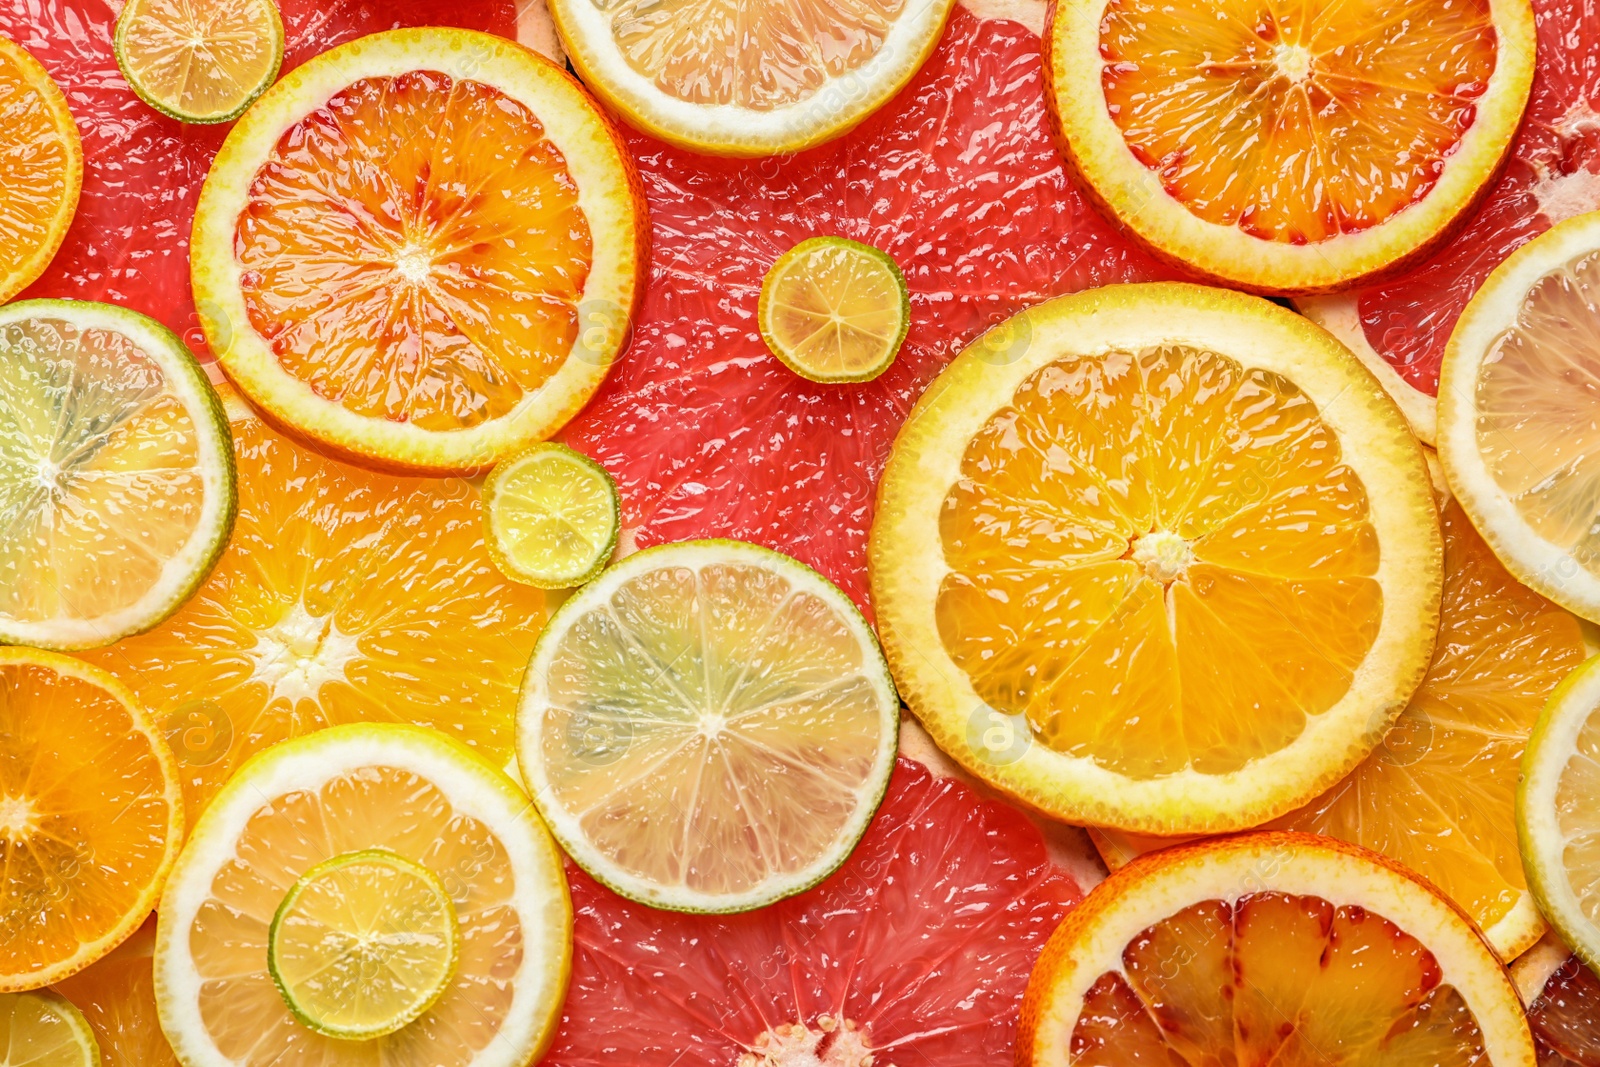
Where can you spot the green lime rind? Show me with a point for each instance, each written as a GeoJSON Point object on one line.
{"type": "Point", "coordinates": [780, 350]}
{"type": "Point", "coordinates": [210, 538]}
{"type": "Point", "coordinates": [388, 1026]}
{"type": "Point", "coordinates": [1551, 746]}
{"type": "Point", "coordinates": [119, 42]}
{"type": "Point", "coordinates": [567, 830]}
{"type": "Point", "coordinates": [494, 505]}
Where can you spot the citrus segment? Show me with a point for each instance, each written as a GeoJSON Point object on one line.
{"type": "Point", "coordinates": [400, 249]}
{"type": "Point", "coordinates": [708, 726]}
{"type": "Point", "coordinates": [41, 169]}
{"type": "Point", "coordinates": [834, 310]}
{"type": "Point", "coordinates": [116, 474]}
{"type": "Point", "coordinates": [1183, 551]}
{"type": "Point", "coordinates": [1563, 998]}
{"type": "Point", "coordinates": [117, 996]}
{"type": "Point", "coordinates": [1269, 948]}
{"type": "Point", "coordinates": [90, 816]}
{"type": "Point", "coordinates": [199, 60]}
{"type": "Point", "coordinates": [353, 788]}
{"type": "Point", "coordinates": [363, 944]}
{"type": "Point", "coordinates": [1289, 149]}
{"type": "Point", "coordinates": [894, 957]}
{"type": "Point", "coordinates": [551, 516]}
{"type": "Point", "coordinates": [41, 1029]}
{"type": "Point", "coordinates": [344, 596]}
{"type": "Point", "coordinates": [1438, 795]}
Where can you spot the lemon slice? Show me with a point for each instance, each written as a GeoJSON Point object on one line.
{"type": "Point", "coordinates": [42, 1029]}
{"type": "Point", "coordinates": [363, 944]}
{"type": "Point", "coordinates": [708, 726]}
{"type": "Point", "coordinates": [834, 310]}
{"type": "Point", "coordinates": [199, 60]}
{"type": "Point", "coordinates": [1558, 812]}
{"type": "Point", "coordinates": [551, 517]}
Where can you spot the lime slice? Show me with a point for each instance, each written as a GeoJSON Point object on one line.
{"type": "Point", "coordinates": [199, 60]}
{"type": "Point", "coordinates": [116, 474]}
{"type": "Point", "coordinates": [708, 726]}
{"type": "Point", "coordinates": [363, 944]}
{"type": "Point", "coordinates": [834, 310]}
{"type": "Point", "coordinates": [551, 517]}
{"type": "Point", "coordinates": [1558, 811]}
{"type": "Point", "coordinates": [42, 1029]}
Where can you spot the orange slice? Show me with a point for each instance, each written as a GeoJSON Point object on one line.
{"type": "Point", "coordinates": [1439, 795]}
{"type": "Point", "coordinates": [117, 996]}
{"type": "Point", "coordinates": [344, 596]}
{"type": "Point", "coordinates": [41, 169]}
{"type": "Point", "coordinates": [1288, 148]}
{"type": "Point", "coordinates": [91, 816]}
{"type": "Point", "coordinates": [1174, 568]}
{"type": "Point", "coordinates": [1269, 948]}
{"type": "Point", "coordinates": [422, 249]}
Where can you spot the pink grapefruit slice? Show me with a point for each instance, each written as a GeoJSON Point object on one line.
{"type": "Point", "coordinates": [916, 951]}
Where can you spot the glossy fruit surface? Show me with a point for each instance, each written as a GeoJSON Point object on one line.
{"type": "Point", "coordinates": [41, 169]}
{"type": "Point", "coordinates": [199, 60]}
{"type": "Point", "coordinates": [834, 310]}
{"type": "Point", "coordinates": [551, 516]}
{"type": "Point", "coordinates": [117, 996]}
{"type": "Point", "coordinates": [43, 1029]}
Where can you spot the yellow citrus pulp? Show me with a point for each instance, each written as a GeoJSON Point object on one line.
{"type": "Point", "coordinates": [551, 516]}
{"type": "Point", "coordinates": [41, 169]}
{"type": "Point", "coordinates": [834, 310]}
{"type": "Point", "coordinates": [43, 1029]}
{"type": "Point", "coordinates": [199, 60]}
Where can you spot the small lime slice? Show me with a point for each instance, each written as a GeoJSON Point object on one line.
{"type": "Point", "coordinates": [708, 726]}
{"type": "Point", "coordinates": [199, 60]}
{"type": "Point", "coordinates": [116, 474]}
{"type": "Point", "coordinates": [363, 944]}
{"type": "Point", "coordinates": [834, 310]}
{"type": "Point", "coordinates": [1558, 812]}
{"type": "Point", "coordinates": [551, 517]}
{"type": "Point", "coordinates": [43, 1029]}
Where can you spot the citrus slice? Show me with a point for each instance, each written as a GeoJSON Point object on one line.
{"type": "Point", "coordinates": [344, 596]}
{"type": "Point", "coordinates": [834, 310]}
{"type": "Point", "coordinates": [1291, 150]}
{"type": "Point", "coordinates": [1270, 948]}
{"type": "Point", "coordinates": [707, 726]}
{"type": "Point", "coordinates": [363, 944]}
{"type": "Point", "coordinates": [1563, 999]}
{"type": "Point", "coordinates": [41, 169]}
{"type": "Point", "coordinates": [1517, 414]}
{"type": "Point", "coordinates": [748, 79]}
{"type": "Point", "coordinates": [1175, 568]}
{"type": "Point", "coordinates": [421, 249]}
{"type": "Point", "coordinates": [117, 996]}
{"type": "Point", "coordinates": [199, 60]}
{"type": "Point", "coordinates": [365, 786]}
{"type": "Point", "coordinates": [1439, 794]}
{"type": "Point", "coordinates": [41, 1029]}
{"type": "Point", "coordinates": [1558, 812]}
{"type": "Point", "coordinates": [116, 475]}
{"type": "Point", "coordinates": [551, 516]}
{"type": "Point", "coordinates": [91, 816]}
{"type": "Point", "coordinates": [895, 957]}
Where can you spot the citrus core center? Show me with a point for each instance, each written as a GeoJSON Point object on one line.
{"type": "Point", "coordinates": [827, 1042]}
{"type": "Point", "coordinates": [413, 264]}
{"type": "Point", "coordinates": [1164, 556]}
{"type": "Point", "coordinates": [1293, 61]}
{"type": "Point", "coordinates": [18, 820]}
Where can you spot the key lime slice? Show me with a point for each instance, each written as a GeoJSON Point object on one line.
{"type": "Point", "coordinates": [551, 517]}
{"type": "Point", "coordinates": [199, 60]}
{"type": "Point", "coordinates": [116, 474]}
{"type": "Point", "coordinates": [834, 310]}
{"type": "Point", "coordinates": [42, 1029]}
{"type": "Point", "coordinates": [1558, 812]}
{"type": "Point", "coordinates": [708, 726]}
{"type": "Point", "coordinates": [363, 944]}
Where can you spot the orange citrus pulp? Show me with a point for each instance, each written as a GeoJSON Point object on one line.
{"type": "Point", "coordinates": [41, 169]}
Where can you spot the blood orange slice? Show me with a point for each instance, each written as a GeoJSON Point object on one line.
{"type": "Point", "coordinates": [1563, 998]}
{"type": "Point", "coordinates": [915, 951]}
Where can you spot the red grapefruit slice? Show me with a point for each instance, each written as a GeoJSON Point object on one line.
{"type": "Point", "coordinates": [916, 951]}
{"type": "Point", "coordinates": [707, 433]}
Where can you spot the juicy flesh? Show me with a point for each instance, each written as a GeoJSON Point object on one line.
{"type": "Point", "coordinates": [1536, 392]}
{"type": "Point", "coordinates": [117, 996]}
{"type": "Point", "coordinates": [836, 311]}
{"type": "Point", "coordinates": [343, 596]}
{"type": "Point", "coordinates": [201, 57]}
{"type": "Point", "coordinates": [1295, 122]}
{"type": "Point", "coordinates": [1159, 559]}
{"type": "Point", "coordinates": [732, 709]}
{"type": "Point", "coordinates": [761, 55]}
{"type": "Point", "coordinates": [34, 159]}
{"type": "Point", "coordinates": [1565, 1016]}
{"type": "Point", "coordinates": [414, 251]}
{"type": "Point", "coordinates": [1577, 802]}
{"type": "Point", "coordinates": [35, 1032]}
{"type": "Point", "coordinates": [1275, 979]}
{"type": "Point", "coordinates": [554, 516]}
{"type": "Point", "coordinates": [368, 807]}
{"type": "Point", "coordinates": [367, 943]}
{"type": "Point", "coordinates": [99, 472]}
{"type": "Point", "coordinates": [84, 816]}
